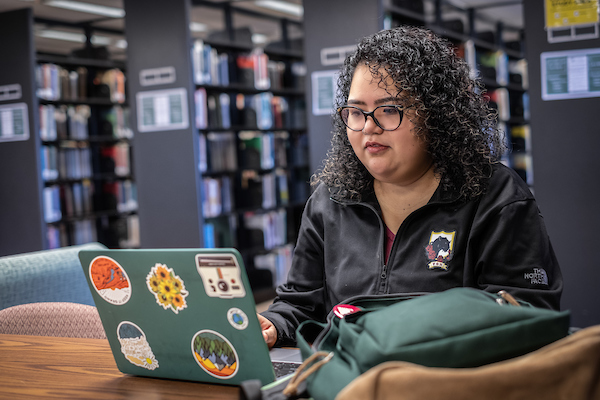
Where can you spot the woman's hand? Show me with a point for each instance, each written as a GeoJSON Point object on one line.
{"type": "Point", "coordinates": [268, 330]}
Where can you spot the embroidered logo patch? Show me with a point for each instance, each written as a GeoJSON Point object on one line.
{"type": "Point", "coordinates": [439, 251]}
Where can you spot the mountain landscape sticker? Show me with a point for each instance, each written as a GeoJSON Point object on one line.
{"type": "Point", "coordinates": [215, 354]}
{"type": "Point", "coordinates": [110, 280]}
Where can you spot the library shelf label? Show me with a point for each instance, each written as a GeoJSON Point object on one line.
{"type": "Point", "coordinates": [10, 92]}
{"type": "Point", "coordinates": [336, 55]}
{"type": "Point", "coordinates": [157, 76]}
{"type": "Point", "coordinates": [324, 86]}
{"type": "Point", "coordinates": [162, 110]}
{"type": "Point", "coordinates": [14, 122]}
{"type": "Point", "coordinates": [570, 74]}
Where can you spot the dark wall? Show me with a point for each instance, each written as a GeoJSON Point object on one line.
{"type": "Point", "coordinates": [22, 227]}
{"type": "Point", "coordinates": [328, 24]}
{"type": "Point", "coordinates": [565, 142]}
{"type": "Point", "coordinates": [164, 162]}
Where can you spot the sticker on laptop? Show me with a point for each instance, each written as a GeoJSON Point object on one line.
{"type": "Point", "coordinates": [134, 346]}
{"type": "Point", "coordinates": [237, 318]}
{"type": "Point", "coordinates": [110, 280]}
{"type": "Point", "coordinates": [221, 275]}
{"type": "Point", "coordinates": [167, 287]}
{"type": "Point", "coordinates": [215, 354]}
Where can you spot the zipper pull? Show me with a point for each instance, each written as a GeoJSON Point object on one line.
{"type": "Point", "coordinates": [508, 298]}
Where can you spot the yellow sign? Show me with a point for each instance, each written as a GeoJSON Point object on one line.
{"type": "Point", "coordinates": [564, 13]}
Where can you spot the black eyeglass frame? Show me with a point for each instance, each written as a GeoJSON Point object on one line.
{"type": "Point", "coordinates": [372, 115]}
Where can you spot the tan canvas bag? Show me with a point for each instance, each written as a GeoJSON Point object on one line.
{"type": "Point", "coordinates": [567, 369]}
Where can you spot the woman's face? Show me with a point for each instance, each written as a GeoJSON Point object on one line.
{"type": "Point", "coordinates": [398, 156]}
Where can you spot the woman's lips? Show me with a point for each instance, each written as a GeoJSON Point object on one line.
{"type": "Point", "coordinates": [374, 147]}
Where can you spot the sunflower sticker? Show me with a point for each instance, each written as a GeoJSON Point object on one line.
{"type": "Point", "coordinates": [134, 346]}
{"type": "Point", "coordinates": [215, 354]}
{"type": "Point", "coordinates": [110, 280]}
{"type": "Point", "coordinates": [167, 287]}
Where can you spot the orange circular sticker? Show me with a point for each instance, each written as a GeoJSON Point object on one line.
{"type": "Point", "coordinates": [110, 280]}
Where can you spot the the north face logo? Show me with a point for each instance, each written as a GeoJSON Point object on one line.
{"type": "Point", "coordinates": [537, 277]}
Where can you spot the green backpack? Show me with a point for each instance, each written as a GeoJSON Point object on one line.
{"type": "Point", "coordinates": [458, 328]}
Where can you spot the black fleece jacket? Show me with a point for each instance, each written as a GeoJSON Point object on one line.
{"type": "Point", "coordinates": [495, 242]}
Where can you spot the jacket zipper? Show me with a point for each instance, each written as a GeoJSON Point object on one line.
{"type": "Point", "coordinates": [384, 270]}
{"type": "Point", "coordinates": [383, 274]}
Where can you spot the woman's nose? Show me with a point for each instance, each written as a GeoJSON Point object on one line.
{"type": "Point", "coordinates": [371, 127]}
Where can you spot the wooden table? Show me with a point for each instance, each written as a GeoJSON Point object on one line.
{"type": "Point", "coordinates": [33, 367]}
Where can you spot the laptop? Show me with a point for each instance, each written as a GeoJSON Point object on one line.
{"type": "Point", "coordinates": [185, 314]}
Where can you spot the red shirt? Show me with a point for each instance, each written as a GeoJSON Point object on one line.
{"type": "Point", "coordinates": [389, 241]}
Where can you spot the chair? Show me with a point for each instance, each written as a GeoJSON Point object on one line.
{"type": "Point", "coordinates": [45, 276]}
{"type": "Point", "coordinates": [60, 319]}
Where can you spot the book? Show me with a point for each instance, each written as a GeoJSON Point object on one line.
{"type": "Point", "coordinates": [51, 202]}
{"type": "Point", "coordinates": [200, 103]}
{"type": "Point", "coordinates": [262, 103]}
{"type": "Point", "coordinates": [221, 151]}
{"type": "Point", "coordinates": [281, 146]}
{"type": "Point", "coordinates": [278, 261]}
{"type": "Point", "coordinates": [224, 111]}
{"type": "Point", "coordinates": [245, 70]}
{"type": "Point", "coordinates": [260, 63]}
{"type": "Point", "coordinates": [271, 227]}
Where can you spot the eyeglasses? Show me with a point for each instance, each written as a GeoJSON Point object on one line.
{"type": "Point", "coordinates": [387, 117]}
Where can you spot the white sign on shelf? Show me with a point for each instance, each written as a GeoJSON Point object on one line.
{"type": "Point", "coordinates": [336, 55]}
{"type": "Point", "coordinates": [162, 110]}
{"type": "Point", "coordinates": [10, 92]}
{"type": "Point", "coordinates": [14, 122]}
{"type": "Point", "coordinates": [324, 86]}
{"type": "Point", "coordinates": [157, 76]}
{"type": "Point", "coordinates": [570, 74]}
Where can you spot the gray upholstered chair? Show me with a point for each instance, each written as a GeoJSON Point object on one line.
{"type": "Point", "coordinates": [45, 293]}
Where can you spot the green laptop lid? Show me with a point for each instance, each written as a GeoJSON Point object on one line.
{"type": "Point", "coordinates": [179, 313]}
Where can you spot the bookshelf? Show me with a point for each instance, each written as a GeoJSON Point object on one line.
{"type": "Point", "coordinates": [495, 52]}
{"type": "Point", "coordinates": [483, 43]}
{"type": "Point", "coordinates": [235, 172]}
{"type": "Point", "coordinates": [78, 185]}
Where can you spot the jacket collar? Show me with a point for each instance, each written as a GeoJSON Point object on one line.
{"type": "Point", "coordinates": [440, 196]}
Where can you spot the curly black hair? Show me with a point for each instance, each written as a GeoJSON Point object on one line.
{"type": "Point", "coordinates": [452, 115]}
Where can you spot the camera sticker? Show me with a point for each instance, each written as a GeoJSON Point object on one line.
{"type": "Point", "coordinates": [221, 275]}
{"type": "Point", "coordinates": [110, 280]}
{"type": "Point", "coordinates": [134, 346]}
{"type": "Point", "coordinates": [215, 354]}
{"type": "Point", "coordinates": [237, 318]}
{"type": "Point", "coordinates": [167, 287]}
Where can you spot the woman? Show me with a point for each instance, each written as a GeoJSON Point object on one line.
{"type": "Point", "coordinates": [411, 196]}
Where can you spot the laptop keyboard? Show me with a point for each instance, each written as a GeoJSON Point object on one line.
{"type": "Point", "coordinates": [284, 368]}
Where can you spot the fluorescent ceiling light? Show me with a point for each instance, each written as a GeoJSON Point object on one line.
{"type": "Point", "coordinates": [105, 11]}
{"type": "Point", "coordinates": [198, 27]}
{"type": "Point", "coordinates": [288, 8]}
{"type": "Point", "coordinates": [78, 37]}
